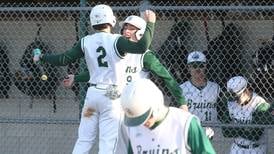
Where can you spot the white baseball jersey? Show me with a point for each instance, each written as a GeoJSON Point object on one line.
{"type": "Point", "coordinates": [106, 65]}
{"type": "Point", "coordinates": [202, 102]}
{"type": "Point", "coordinates": [102, 58]}
{"type": "Point", "coordinates": [168, 137]}
{"type": "Point", "coordinates": [134, 68]}
{"type": "Point", "coordinates": [243, 115]}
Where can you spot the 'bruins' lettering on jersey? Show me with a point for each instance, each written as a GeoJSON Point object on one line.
{"type": "Point", "coordinates": [202, 102]}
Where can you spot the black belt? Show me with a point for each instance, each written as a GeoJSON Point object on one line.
{"type": "Point", "coordinates": [247, 146]}
{"type": "Point", "coordinates": [91, 85]}
{"type": "Point", "coordinates": [100, 86]}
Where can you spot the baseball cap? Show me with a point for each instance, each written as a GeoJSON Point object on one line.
{"type": "Point", "coordinates": [196, 56]}
{"type": "Point", "coordinates": [237, 85]}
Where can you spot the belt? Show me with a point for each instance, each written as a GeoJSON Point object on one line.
{"type": "Point", "coordinates": [100, 85]}
{"type": "Point", "coordinates": [91, 85]}
{"type": "Point", "coordinates": [251, 146]}
{"type": "Point", "coordinates": [111, 90]}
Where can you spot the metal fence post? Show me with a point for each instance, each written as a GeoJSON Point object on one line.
{"type": "Point", "coordinates": [82, 33]}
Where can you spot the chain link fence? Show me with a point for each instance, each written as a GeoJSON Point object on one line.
{"type": "Point", "coordinates": [42, 117]}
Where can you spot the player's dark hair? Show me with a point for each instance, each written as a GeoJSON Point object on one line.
{"type": "Point", "coordinates": [249, 88]}
{"type": "Point", "coordinates": [249, 91]}
{"type": "Point", "coordinates": [121, 30]}
{"type": "Point", "coordinates": [101, 26]}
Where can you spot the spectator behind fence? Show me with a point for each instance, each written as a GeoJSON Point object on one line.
{"type": "Point", "coordinates": [241, 105]}
{"type": "Point", "coordinates": [225, 55]}
{"type": "Point", "coordinates": [200, 93]}
{"type": "Point", "coordinates": [173, 51]}
{"type": "Point", "coordinates": [28, 77]}
{"type": "Point", "coordinates": [172, 54]}
{"type": "Point", "coordinates": [152, 127]}
{"type": "Point", "coordinates": [263, 76]}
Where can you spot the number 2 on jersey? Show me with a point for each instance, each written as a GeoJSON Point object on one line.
{"type": "Point", "coordinates": [100, 58]}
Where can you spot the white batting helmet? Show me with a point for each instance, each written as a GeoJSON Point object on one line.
{"type": "Point", "coordinates": [138, 22]}
{"type": "Point", "coordinates": [139, 100]}
{"type": "Point", "coordinates": [102, 14]}
{"type": "Point", "coordinates": [237, 85]}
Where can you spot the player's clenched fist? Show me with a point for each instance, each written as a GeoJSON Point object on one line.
{"type": "Point", "coordinates": [149, 16]}
{"type": "Point", "coordinates": [68, 81]}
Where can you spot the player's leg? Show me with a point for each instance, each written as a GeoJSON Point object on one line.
{"type": "Point", "coordinates": [109, 124]}
{"type": "Point", "coordinates": [88, 125]}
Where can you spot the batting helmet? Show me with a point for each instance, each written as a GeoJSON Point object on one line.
{"type": "Point", "coordinates": [140, 99]}
{"type": "Point", "coordinates": [136, 21]}
{"type": "Point", "coordinates": [237, 85]}
{"type": "Point", "coordinates": [102, 14]}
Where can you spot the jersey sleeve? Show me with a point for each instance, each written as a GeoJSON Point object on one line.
{"type": "Point", "coordinates": [197, 139]}
{"type": "Point", "coordinates": [124, 45]}
{"type": "Point", "coordinates": [65, 58]}
{"type": "Point", "coordinates": [82, 77]}
{"type": "Point", "coordinates": [152, 63]}
{"type": "Point", "coordinates": [263, 114]}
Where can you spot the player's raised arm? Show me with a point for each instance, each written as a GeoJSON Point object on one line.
{"type": "Point", "coordinates": [64, 58]}
{"type": "Point", "coordinates": [152, 63]}
{"type": "Point", "coordinates": [124, 45]}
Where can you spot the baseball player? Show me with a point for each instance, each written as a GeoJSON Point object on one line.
{"type": "Point", "coordinates": [201, 94]}
{"type": "Point", "coordinates": [139, 66]}
{"type": "Point", "coordinates": [105, 55]}
{"type": "Point", "coordinates": [151, 127]}
{"type": "Point", "coordinates": [243, 106]}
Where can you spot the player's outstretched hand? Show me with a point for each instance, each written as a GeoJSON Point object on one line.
{"type": "Point", "coordinates": [68, 81]}
{"type": "Point", "coordinates": [36, 55]}
{"type": "Point", "coordinates": [149, 16]}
